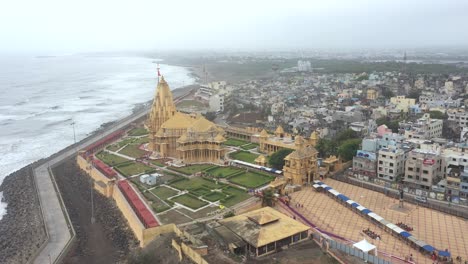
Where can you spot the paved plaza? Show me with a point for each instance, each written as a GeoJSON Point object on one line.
{"type": "Point", "coordinates": [437, 229]}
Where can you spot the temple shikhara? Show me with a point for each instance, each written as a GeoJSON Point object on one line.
{"type": "Point", "coordinates": [190, 138]}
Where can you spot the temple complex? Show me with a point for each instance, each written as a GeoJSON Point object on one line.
{"type": "Point", "coordinates": [188, 137]}
{"type": "Point", "coordinates": [272, 143]}
{"type": "Point", "coordinates": [301, 165]}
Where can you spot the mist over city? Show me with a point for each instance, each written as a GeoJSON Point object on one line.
{"type": "Point", "coordinates": [234, 131]}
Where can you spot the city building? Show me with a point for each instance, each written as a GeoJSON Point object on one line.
{"type": "Point", "coordinates": [264, 230]}
{"type": "Point", "coordinates": [188, 137]}
{"type": "Point", "coordinates": [301, 165]}
{"type": "Point", "coordinates": [402, 103]}
{"type": "Point", "coordinates": [149, 179]}
{"type": "Point", "coordinates": [281, 140]}
{"type": "Point", "coordinates": [304, 66]}
{"type": "Point", "coordinates": [459, 116]}
{"type": "Point", "coordinates": [365, 165]}
{"type": "Point", "coordinates": [372, 94]}
{"type": "Point", "coordinates": [391, 164]}
{"type": "Point", "coordinates": [423, 128]}
{"type": "Point", "coordinates": [422, 169]}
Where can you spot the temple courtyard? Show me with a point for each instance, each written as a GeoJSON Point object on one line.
{"type": "Point", "coordinates": [438, 229]}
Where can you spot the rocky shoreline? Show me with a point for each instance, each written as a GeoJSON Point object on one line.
{"type": "Point", "coordinates": [22, 230]}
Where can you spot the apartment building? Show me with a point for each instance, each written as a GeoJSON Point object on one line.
{"type": "Point", "coordinates": [422, 169]}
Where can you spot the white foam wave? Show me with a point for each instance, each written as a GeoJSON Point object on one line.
{"type": "Point", "coordinates": [3, 207]}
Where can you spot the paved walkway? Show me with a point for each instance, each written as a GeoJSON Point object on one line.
{"type": "Point", "coordinates": [56, 225]}
{"type": "Point", "coordinates": [438, 229]}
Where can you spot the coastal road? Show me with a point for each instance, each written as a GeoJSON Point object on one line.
{"type": "Point", "coordinates": [55, 219]}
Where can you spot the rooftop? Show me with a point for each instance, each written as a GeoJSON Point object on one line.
{"type": "Point", "coordinates": [263, 226]}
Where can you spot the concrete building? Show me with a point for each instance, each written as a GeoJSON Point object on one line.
{"type": "Point", "coordinates": [423, 128]}
{"type": "Point", "coordinates": [422, 169]}
{"type": "Point", "coordinates": [265, 230]}
{"type": "Point", "coordinates": [402, 103]}
{"type": "Point", "coordinates": [304, 66]}
{"type": "Point", "coordinates": [459, 116]}
{"type": "Point", "coordinates": [149, 179]}
{"type": "Point", "coordinates": [365, 165]}
{"type": "Point", "coordinates": [391, 164]}
{"type": "Point", "coordinates": [454, 166]}
{"type": "Point", "coordinates": [372, 94]}
{"type": "Point", "coordinates": [216, 103]}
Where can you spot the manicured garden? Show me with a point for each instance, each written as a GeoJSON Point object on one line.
{"type": "Point", "coordinates": [236, 196]}
{"type": "Point", "coordinates": [138, 131]}
{"type": "Point", "coordinates": [116, 146]}
{"type": "Point", "coordinates": [214, 196]}
{"type": "Point", "coordinates": [132, 150]}
{"type": "Point", "coordinates": [158, 163]}
{"type": "Point", "coordinates": [189, 201]}
{"type": "Point", "coordinates": [235, 142]}
{"type": "Point", "coordinates": [223, 172]}
{"type": "Point", "coordinates": [190, 184]}
{"type": "Point", "coordinates": [110, 159]}
{"type": "Point", "coordinates": [249, 146]}
{"type": "Point", "coordinates": [131, 168]}
{"type": "Point", "coordinates": [164, 192]}
{"type": "Point", "coordinates": [244, 156]}
{"type": "Point", "coordinates": [251, 179]}
{"type": "Point", "coordinates": [191, 169]}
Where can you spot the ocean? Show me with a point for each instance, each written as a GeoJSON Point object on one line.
{"type": "Point", "coordinates": [40, 98]}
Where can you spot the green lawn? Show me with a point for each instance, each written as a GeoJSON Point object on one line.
{"type": "Point", "coordinates": [110, 159]}
{"type": "Point", "coordinates": [235, 142]}
{"type": "Point", "coordinates": [163, 192]}
{"type": "Point", "coordinates": [138, 131]}
{"type": "Point", "coordinates": [189, 201]}
{"type": "Point", "coordinates": [249, 146]}
{"type": "Point", "coordinates": [198, 182]}
{"type": "Point", "coordinates": [159, 207]}
{"type": "Point", "coordinates": [238, 196]}
{"type": "Point", "coordinates": [132, 150]}
{"type": "Point", "coordinates": [214, 196]}
{"type": "Point", "coordinates": [129, 169]}
{"type": "Point", "coordinates": [141, 140]}
{"type": "Point", "coordinates": [223, 172]}
{"type": "Point", "coordinates": [116, 146]}
{"type": "Point", "coordinates": [157, 163]}
{"type": "Point", "coordinates": [251, 179]}
{"type": "Point", "coordinates": [191, 169]}
{"type": "Point", "coordinates": [244, 156]}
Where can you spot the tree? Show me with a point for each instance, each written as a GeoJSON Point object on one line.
{"type": "Point", "coordinates": [381, 121]}
{"type": "Point", "coordinates": [326, 147]}
{"type": "Point", "coordinates": [414, 93]}
{"type": "Point", "coordinates": [267, 198]}
{"type": "Point", "coordinates": [387, 93]}
{"type": "Point", "coordinates": [210, 116]}
{"type": "Point", "coordinates": [347, 150]}
{"type": "Point", "coordinates": [436, 114]}
{"type": "Point", "coordinates": [346, 134]}
{"type": "Point", "coordinates": [277, 158]}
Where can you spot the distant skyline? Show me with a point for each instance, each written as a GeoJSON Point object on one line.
{"type": "Point", "coordinates": [53, 26]}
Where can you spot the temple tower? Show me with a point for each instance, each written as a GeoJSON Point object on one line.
{"type": "Point", "coordinates": [162, 110]}
{"type": "Point", "coordinates": [313, 140]}
{"type": "Point", "coordinates": [301, 165]}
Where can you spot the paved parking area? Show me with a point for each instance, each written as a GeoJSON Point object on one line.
{"type": "Point", "coordinates": [439, 230]}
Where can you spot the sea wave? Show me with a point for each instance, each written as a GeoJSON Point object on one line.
{"type": "Point", "coordinates": [35, 121]}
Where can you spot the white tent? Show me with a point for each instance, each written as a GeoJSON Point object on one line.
{"type": "Point", "coordinates": [365, 246]}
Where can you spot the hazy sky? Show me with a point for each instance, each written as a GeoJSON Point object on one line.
{"type": "Point", "coordinates": [100, 25]}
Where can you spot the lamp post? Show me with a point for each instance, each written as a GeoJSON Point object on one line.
{"type": "Point", "coordinates": [74, 134]}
